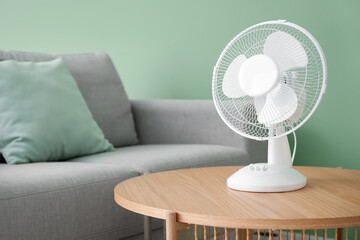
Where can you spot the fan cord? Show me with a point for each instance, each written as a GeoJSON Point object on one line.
{"type": "Point", "coordinates": [294, 150]}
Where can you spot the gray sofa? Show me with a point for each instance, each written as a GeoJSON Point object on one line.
{"type": "Point", "coordinates": [73, 199]}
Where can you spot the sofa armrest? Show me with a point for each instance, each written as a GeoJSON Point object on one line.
{"type": "Point", "coordinates": [189, 122]}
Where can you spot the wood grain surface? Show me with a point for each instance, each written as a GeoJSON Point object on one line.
{"type": "Point", "coordinates": [331, 199]}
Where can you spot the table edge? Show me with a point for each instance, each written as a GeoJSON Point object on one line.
{"type": "Point", "coordinates": [228, 222]}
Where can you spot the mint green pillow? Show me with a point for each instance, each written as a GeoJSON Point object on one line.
{"type": "Point", "coordinates": [43, 116]}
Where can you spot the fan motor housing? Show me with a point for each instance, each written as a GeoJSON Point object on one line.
{"type": "Point", "coordinates": [258, 75]}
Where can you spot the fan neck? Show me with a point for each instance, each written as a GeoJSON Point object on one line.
{"type": "Point", "coordinates": [279, 152]}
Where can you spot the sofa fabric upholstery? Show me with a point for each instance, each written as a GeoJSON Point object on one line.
{"type": "Point", "coordinates": [189, 122]}
{"type": "Point", "coordinates": [101, 88]}
{"type": "Point", "coordinates": [164, 157]}
{"type": "Point", "coordinates": [74, 199]}
{"type": "Point", "coordinates": [63, 200]}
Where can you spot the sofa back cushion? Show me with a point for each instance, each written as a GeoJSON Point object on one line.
{"type": "Point", "coordinates": [101, 88]}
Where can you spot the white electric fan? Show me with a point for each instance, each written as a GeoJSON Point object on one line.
{"type": "Point", "coordinates": [266, 83]}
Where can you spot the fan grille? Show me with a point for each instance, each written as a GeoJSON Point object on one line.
{"type": "Point", "coordinates": [308, 82]}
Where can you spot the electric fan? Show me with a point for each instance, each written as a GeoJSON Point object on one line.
{"type": "Point", "coordinates": [266, 83]}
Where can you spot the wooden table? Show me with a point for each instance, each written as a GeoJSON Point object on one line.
{"type": "Point", "coordinates": [192, 197]}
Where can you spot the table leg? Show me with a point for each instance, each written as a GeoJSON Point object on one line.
{"type": "Point", "coordinates": [147, 228]}
{"type": "Point", "coordinates": [164, 229]}
{"type": "Point", "coordinates": [339, 234]}
{"type": "Point", "coordinates": [171, 226]}
{"type": "Point", "coordinates": [246, 234]}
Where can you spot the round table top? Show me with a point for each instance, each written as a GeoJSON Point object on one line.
{"type": "Point", "coordinates": [331, 199]}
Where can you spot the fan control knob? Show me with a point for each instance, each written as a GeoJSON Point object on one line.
{"type": "Point", "coordinates": [251, 167]}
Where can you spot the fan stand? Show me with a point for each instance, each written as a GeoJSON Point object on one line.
{"type": "Point", "coordinates": [277, 175]}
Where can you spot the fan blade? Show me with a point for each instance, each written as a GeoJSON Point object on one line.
{"type": "Point", "coordinates": [279, 105]}
{"type": "Point", "coordinates": [230, 85]}
{"type": "Point", "coordinates": [300, 108]}
{"type": "Point", "coordinates": [285, 50]}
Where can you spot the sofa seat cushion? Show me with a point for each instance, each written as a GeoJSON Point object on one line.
{"type": "Point", "coordinates": [101, 88]}
{"type": "Point", "coordinates": [63, 200]}
{"type": "Point", "coordinates": [163, 157]}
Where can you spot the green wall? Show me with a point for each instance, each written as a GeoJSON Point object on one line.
{"type": "Point", "coordinates": [167, 49]}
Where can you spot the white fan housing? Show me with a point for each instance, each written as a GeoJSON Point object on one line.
{"type": "Point", "coordinates": [267, 82]}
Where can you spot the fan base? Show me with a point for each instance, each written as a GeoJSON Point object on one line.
{"type": "Point", "coordinates": [263, 177]}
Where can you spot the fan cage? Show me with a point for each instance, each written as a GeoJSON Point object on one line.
{"type": "Point", "coordinates": [308, 82]}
